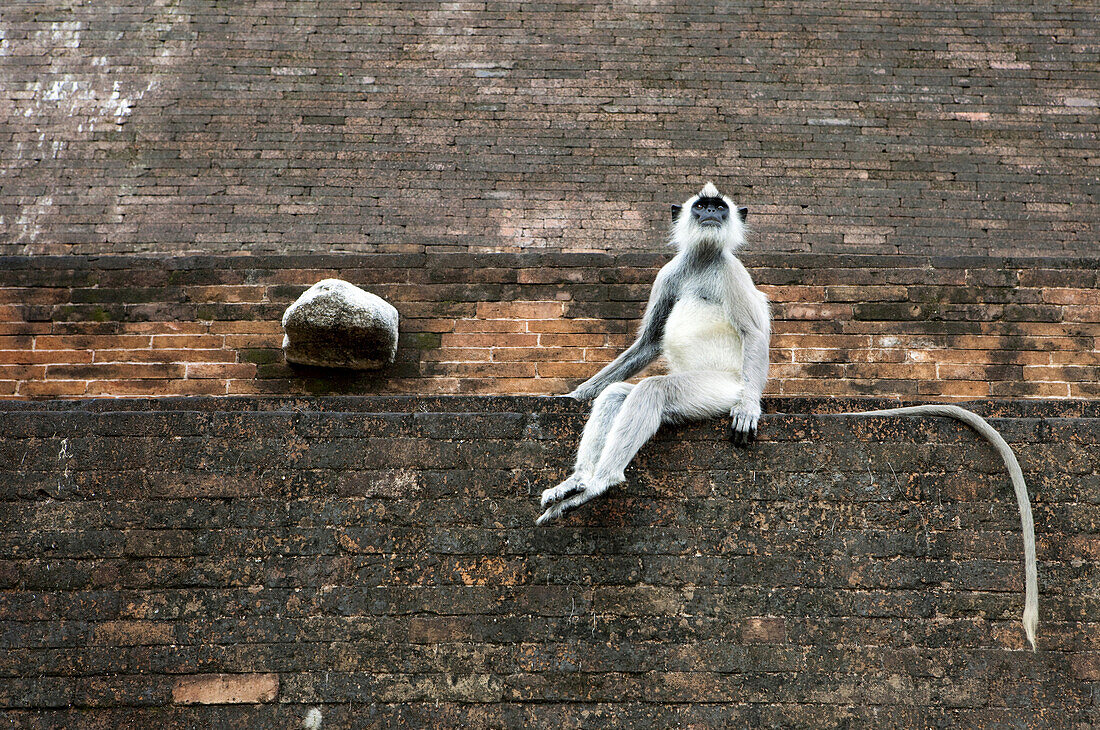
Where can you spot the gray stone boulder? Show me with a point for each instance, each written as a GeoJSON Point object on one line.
{"type": "Point", "coordinates": [338, 325]}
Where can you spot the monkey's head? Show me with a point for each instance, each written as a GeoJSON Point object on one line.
{"type": "Point", "coordinates": [709, 217]}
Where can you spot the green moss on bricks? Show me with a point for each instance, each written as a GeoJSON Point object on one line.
{"type": "Point", "coordinates": [260, 356]}
{"type": "Point", "coordinates": [83, 313]}
{"type": "Point", "coordinates": [421, 340]}
{"type": "Point", "coordinates": [206, 313]}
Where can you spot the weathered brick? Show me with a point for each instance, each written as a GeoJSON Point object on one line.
{"type": "Point", "coordinates": [222, 689]}
{"type": "Point", "coordinates": [900, 151]}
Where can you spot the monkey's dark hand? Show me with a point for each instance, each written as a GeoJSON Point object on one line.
{"type": "Point", "coordinates": [744, 426]}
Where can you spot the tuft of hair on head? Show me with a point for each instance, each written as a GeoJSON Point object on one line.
{"type": "Point", "coordinates": [709, 191]}
{"type": "Point", "coordinates": [312, 720]}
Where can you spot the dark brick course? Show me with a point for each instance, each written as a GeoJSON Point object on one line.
{"type": "Point", "coordinates": [376, 556]}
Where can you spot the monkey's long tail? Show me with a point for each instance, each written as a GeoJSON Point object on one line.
{"type": "Point", "coordinates": [979, 424]}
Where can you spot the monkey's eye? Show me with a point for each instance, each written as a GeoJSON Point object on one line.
{"type": "Point", "coordinates": [719, 204]}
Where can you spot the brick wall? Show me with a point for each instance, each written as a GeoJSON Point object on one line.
{"type": "Point", "coordinates": [296, 126]}
{"type": "Point", "coordinates": [231, 563]}
{"type": "Point", "coordinates": [922, 187]}
{"type": "Point", "coordinates": [914, 327]}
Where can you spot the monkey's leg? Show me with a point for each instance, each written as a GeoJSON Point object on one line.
{"type": "Point", "coordinates": [604, 410]}
{"type": "Point", "coordinates": [660, 399]}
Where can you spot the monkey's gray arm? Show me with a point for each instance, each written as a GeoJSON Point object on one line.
{"type": "Point", "coordinates": [644, 350]}
{"type": "Point", "coordinates": [755, 331]}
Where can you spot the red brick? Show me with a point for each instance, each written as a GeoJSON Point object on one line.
{"type": "Point", "coordinates": [1029, 389]}
{"type": "Point", "coordinates": [302, 277]}
{"type": "Point", "coordinates": [45, 356]}
{"type": "Point", "coordinates": [113, 371]}
{"type": "Point", "coordinates": [220, 370]}
{"type": "Point", "coordinates": [809, 386]}
{"type": "Point", "coordinates": [822, 355]}
{"type": "Point", "coordinates": [225, 689]}
{"type": "Point", "coordinates": [22, 372]}
{"type": "Point", "coordinates": [1091, 357]}
{"type": "Point", "coordinates": [840, 293]}
{"type": "Point", "coordinates": [594, 326]}
{"type": "Point", "coordinates": [572, 340]}
{"type": "Point", "coordinates": [1063, 373]}
{"type": "Point", "coordinates": [487, 325]}
{"type": "Point", "coordinates": [166, 328]}
{"type": "Point", "coordinates": [53, 388]}
{"type": "Point", "coordinates": [160, 356]}
{"type": "Point", "coordinates": [152, 387]}
{"type": "Point", "coordinates": [793, 293]}
{"type": "Point", "coordinates": [520, 310]}
{"type": "Point", "coordinates": [226, 293]}
{"type": "Point", "coordinates": [801, 339]}
{"type": "Point", "coordinates": [34, 295]}
{"type": "Point", "coordinates": [812, 311]}
{"type": "Point", "coordinates": [91, 342]}
{"type": "Point", "coordinates": [249, 327]}
{"type": "Point", "coordinates": [197, 342]}
{"type": "Point", "coordinates": [885, 356]}
{"type": "Point", "coordinates": [537, 354]}
{"type": "Point", "coordinates": [22, 329]}
{"type": "Point", "coordinates": [1084, 390]}
{"type": "Point", "coordinates": [1083, 313]}
{"type": "Point", "coordinates": [16, 343]}
{"type": "Point", "coordinates": [274, 341]}
{"type": "Point", "coordinates": [600, 354]}
{"type": "Point", "coordinates": [205, 386]}
{"type": "Point", "coordinates": [989, 357]}
{"type": "Point", "coordinates": [957, 388]}
{"type": "Point", "coordinates": [457, 354]}
{"type": "Point", "coordinates": [533, 386]}
{"type": "Point", "coordinates": [558, 276]}
{"type": "Point", "coordinates": [1071, 296]}
{"type": "Point", "coordinates": [504, 339]}
{"type": "Point", "coordinates": [565, 370]}
{"type": "Point", "coordinates": [480, 369]}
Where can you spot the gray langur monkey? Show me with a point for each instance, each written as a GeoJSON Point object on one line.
{"type": "Point", "coordinates": [713, 327]}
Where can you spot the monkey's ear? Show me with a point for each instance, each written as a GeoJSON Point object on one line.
{"type": "Point", "coordinates": [676, 211]}
{"type": "Point", "coordinates": [743, 213]}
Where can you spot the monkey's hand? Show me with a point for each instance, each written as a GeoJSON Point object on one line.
{"type": "Point", "coordinates": [585, 392]}
{"type": "Point", "coordinates": [745, 420]}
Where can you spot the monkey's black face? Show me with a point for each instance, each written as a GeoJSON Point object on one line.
{"type": "Point", "coordinates": [710, 212]}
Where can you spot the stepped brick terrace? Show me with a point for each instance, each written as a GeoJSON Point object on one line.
{"type": "Point", "coordinates": [194, 534]}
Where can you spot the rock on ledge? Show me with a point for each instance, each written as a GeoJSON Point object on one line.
{"type": "Point", "coordinates": [337, 324]}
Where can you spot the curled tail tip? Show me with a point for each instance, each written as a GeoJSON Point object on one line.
{"type": "Point", "coordinates": [1031, 625]}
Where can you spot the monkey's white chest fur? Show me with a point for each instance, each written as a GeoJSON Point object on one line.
{"type": "Point", "coordinates": [700, 336]}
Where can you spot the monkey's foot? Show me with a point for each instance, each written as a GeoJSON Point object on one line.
{"type": "Point", "coordinates": [744, 427]}
{"type": "Point", "coordinates": [567, 496]}
{"type": "Point", "coordinates": [572, 485]}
